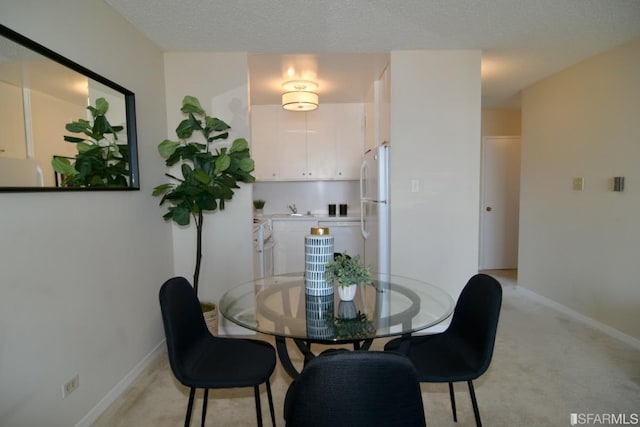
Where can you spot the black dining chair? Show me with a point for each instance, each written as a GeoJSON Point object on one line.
{"type": "Point", "coordinates": [462, 352]}
{"type": "Point", "coordinates": [199, 359]}
{"type": "Point", "coordinates": [354, 389]}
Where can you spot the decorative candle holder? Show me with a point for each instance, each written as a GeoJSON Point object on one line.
{"type": "Point", "coordinates": [318, 251]}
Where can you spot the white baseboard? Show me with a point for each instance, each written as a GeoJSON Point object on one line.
{"type": "Point", "coordinates": [121, 386]}
{"type": "Point", "coordinates": [627, 339]}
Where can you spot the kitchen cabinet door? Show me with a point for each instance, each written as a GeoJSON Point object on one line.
{"type": "Point", "coordinates": [324, 144]}
{"type": "Point", "coordinates": [264, 141]}
{"type": "Point", "coordinates": [349, 141]}
{"type": "Point", "coordinates": [321, 142]}
{"type": "Point", "coordinates": [291, 146]}
{"type": "Point", "coordinates": [288, 253]}
{"type": "Point", "coordinates": [385, 106]}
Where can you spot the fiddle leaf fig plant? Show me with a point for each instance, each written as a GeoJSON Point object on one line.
{"type": "Point", "coordinates": [208, 177]}
{"type": "Point", "coordinates": [101, 161]}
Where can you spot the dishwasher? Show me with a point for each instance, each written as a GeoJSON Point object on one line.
{"type": "Point", "coordinates": [346, 236]}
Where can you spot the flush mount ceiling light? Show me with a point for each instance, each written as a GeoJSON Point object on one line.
{"type": "Point", "coordinates": [299, 95]}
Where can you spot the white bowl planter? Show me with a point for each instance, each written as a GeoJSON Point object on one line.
{"type": "Point", "coordinates": [347, 292]}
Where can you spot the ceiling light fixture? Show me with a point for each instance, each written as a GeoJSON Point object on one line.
{"type": "Point", "coordinates": [299, 95]}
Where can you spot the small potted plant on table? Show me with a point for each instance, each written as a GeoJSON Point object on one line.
{"type": "Point", "coordinates": [347, 273]}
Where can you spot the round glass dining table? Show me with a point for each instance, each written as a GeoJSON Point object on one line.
{"type": "Point", "coordinates": [280, 306]}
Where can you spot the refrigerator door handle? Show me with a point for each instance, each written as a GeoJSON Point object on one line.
{"type": "Point", "coordinates": [363, 230]}
{"type": "Point", "coordinates": [363, 167]}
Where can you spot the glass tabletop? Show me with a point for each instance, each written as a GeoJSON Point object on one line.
{"type": "Point", "coordinates": [279, 306]}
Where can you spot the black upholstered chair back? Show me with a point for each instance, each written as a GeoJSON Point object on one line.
{"type": "Point", "coordinates": [475, 318]}
{"type": "Point", "coordinates": [199, 359]}
{"type": "Point", "coordinates": [356, 388]}
{"type": "Point", "coordinates": [184, 324]}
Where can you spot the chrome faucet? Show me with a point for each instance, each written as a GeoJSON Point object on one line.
{"type": "Point", "coordinates": [293, 208]}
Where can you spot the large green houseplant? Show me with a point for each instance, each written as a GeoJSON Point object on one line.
{"type": "Point", "coordinates": [101, 161]}
{"type": "Point", "coordinates": [208, 177]}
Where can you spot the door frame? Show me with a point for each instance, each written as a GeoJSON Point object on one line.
{"type": "Point", "coordinates": [482, 256]}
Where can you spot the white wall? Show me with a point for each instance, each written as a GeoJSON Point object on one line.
{"type": "Point", "coordinates": [496, 122]}
{"type": "Point", "coordinates": [435, 139]}
{"type": "Point", "coordinates": [581, 249]}
{"type": "Point", "coordinates": [220, 82]}
{"type": "Point", "coordinates": [80, 272]}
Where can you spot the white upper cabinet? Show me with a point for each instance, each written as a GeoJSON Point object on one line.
{"type": "Point", "coordinates": [349, 122]}
{"type": "Point", "coordinates": [385, 107]}
{"type": "Point", "coordinates": [378, 112]}
{"type": "Point", "coordinates": [324, 144]}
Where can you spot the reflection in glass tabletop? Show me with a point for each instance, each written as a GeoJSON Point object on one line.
{"type": "Point", "coordinates": [392, 306]}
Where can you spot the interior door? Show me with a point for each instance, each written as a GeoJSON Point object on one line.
{"type": "Point", "coordinates": [499, 213]}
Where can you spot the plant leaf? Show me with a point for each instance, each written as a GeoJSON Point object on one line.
{"type": "Point", "coordinates": [222, 164]}
{"type": "Point", "coordinates": [191, 104]}
{"type": "Point", "coordinates": [239, 144]}
{"type": "Point", "coordinates": [167, 148]}
{"type": "Point", "coordinates": [184, 129]}
{"type": "Point", "coordinates": [201, 177]}
{"type": "Point", "coordinates": [80, 126]}
{"type": "Point", "coordinates": [63, 166]}
{"type": "Point", "coordinates": [83, 147]}
{"type": "Point", "coordinates": [73, 139]}
{"type": "Point", "coordinates": [180, 215]}
{"type": "Point", "coordinates": [246, 164]}
{"type": "Point", "coordinates": [161, 189]}
{"type": "Point", "coordinates": [214, 124]}
{"type": "Point", "coordinates": [102, 106]}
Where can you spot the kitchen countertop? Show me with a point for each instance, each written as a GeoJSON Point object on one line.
{"type": "Point", "coordinates": [312, 217]}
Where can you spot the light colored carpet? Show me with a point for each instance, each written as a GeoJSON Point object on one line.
{"type": "Point", "coordinates": [545, 367]}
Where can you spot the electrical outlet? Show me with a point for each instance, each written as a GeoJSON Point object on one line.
{"type": "Point", "coordinates": [71, 385]}
{"type": "Point", "coordinates": [578, 183]}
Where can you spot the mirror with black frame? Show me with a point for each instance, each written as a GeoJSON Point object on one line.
{"type": "Point", "coordinates": [62, 126]}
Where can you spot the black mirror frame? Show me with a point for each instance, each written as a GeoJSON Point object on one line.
{"type": "Point", "coordinates": [130, 107]}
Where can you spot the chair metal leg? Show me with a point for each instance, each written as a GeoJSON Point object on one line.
{"type": "Point", "coordinates": [271, 409]}
{"type": "Point", "coordinates": [204, 405]}
{"type": "Point", "coordinates": [187, 418]}
{"type": "Point", "coordinates": [453, 403]}
{"type": "Point", "coordinates": [256, 391]}
{"type": "Point", "coordinates": [474, 402]}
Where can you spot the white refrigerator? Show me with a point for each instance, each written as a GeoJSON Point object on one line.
{"type": "Point", "coordinates": [374, 208]}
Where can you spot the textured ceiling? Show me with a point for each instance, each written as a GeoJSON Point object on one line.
{"type": "Point", "coordinates": [522, 41]}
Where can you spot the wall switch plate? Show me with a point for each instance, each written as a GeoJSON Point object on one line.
{"type": "Point", "coordinates": [618, 183]}
{"type": "Point", "coordinates": [415, 185]}
{"type": "Point", "coordinates": [71, 385]}
{"type": "Point", "coordinates": [578, 183]}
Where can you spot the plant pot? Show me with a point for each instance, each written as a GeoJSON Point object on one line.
{"type": "Point", "coordinates": [211, 319]}
{"type": "Point", "coordinates": [347, 292]}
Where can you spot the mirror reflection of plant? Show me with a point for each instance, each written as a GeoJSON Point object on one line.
{"type": "Point", "coordinates": [208, 178]}
{"type": "Point", "coordinates": [356, 328]}
{"type": "Point", "coordinates": [101, 161]}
